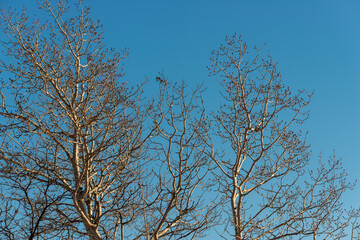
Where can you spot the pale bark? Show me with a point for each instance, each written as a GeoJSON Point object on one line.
{"type": "Point", "coordinates": [267, 177]}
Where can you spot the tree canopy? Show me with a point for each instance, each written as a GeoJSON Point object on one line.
{"type": "Point", "coordinates": [84, 155]}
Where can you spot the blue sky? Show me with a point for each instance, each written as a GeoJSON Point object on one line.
{"type": "Point", "coordinates": [316, 43]}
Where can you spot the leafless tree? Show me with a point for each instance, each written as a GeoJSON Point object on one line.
{"type": "Point", "coordinates": [69, 124]}
{"type": "Point", "coordinates": [178, 208]}
{"type": "Point", "coordinates": [76, 140]}
{"type": "Point", "coordinates": [271, 188]}
{"type": "Point", "coordinates": [27, 207]}
{"type": "Point", "coordinates": [84, 156]}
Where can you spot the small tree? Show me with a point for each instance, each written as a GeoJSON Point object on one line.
{"type": "Point", "coordinates": [272, 189]}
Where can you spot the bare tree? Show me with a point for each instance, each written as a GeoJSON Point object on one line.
{"type": "Point", "coordinates": [178, 207]}
{"type": "Point", "coordinates": [271, 188]}
{"type": "Point", "coordinates": [27, 208]}
{"type": "Point", "coordinates": [68, 124]}
{"type": "Point", "coordinates": [75, 140]}
{"type": "Point", "coordinates": [84, 156]}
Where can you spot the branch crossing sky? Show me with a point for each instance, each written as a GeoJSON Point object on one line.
{"type": "Point", "coordinates": [316, 43]}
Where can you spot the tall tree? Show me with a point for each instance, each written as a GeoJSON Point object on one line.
{"type": "Point", "coordinates": [85, 156]}
{"type": "Point", "coordinates": [272, 188]}
{"type": "Point", "coordinates": [76, 140]}
{"type": "Point", "coordinates": [69, 124]}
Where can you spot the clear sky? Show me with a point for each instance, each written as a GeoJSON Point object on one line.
{"type": "Point", "coordinates": [316, 43]}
